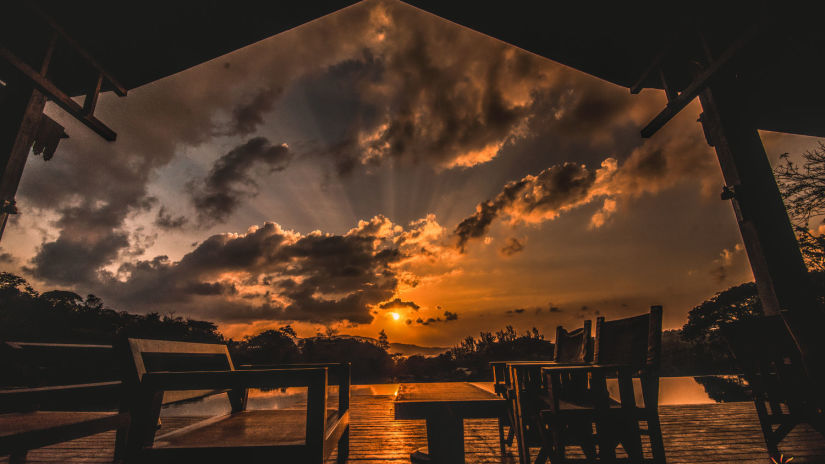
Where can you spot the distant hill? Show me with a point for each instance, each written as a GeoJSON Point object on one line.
{"type": "Point", "coordinates": [407, 349]}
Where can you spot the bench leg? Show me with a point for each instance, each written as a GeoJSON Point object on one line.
{"type": "Point", "coordinates": [343, 447]}
{"type": "Point", "coordinates": [18, 457]}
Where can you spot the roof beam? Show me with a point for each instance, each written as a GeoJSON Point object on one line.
{"type": "Point", "coordinates": [61, 99]}
{"type": "Point", "coordinates": [681, 100]}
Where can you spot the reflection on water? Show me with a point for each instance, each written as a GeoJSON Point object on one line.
{"type": "Point", "coordinates": [672, 391]}
{"type": "Point", "coordinates": [689, 390]}
{"type": "Point", "coordinates": [282, 398]}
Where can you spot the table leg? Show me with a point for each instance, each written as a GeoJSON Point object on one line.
{"type": "Point", "coordinates": [445, 438]}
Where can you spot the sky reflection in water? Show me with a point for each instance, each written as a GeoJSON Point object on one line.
{"type": "Point", "coordinates": [672, 391]}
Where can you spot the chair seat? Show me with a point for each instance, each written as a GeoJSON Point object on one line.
{"type": "Point", "coordinates": [279, 427]}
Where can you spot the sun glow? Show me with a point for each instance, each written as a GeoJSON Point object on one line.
{"type": "Point", "coordinates": [395, 316]}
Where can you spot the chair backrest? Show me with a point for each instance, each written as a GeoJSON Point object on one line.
{"type": "Point", "coordinates": [574, 346]}
{"type": "Point", "coordinates": [162, 355]}
{"type": "Point", "coordinates": [634, 341]}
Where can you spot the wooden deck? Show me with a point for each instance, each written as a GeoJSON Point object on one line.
{"type": "Point", "coordinates": [715, 433]}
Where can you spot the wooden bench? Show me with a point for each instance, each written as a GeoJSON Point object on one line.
{"type": "Point", "coordinates": [166, 372]}
{"type": "Point", "coordinates": [35, 412]}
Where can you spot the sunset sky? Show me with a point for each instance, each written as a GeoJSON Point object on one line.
{"type": "Point", "coordinates": [383, 161]}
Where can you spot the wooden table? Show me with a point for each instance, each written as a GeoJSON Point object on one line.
{"type": "Point", "coordinates": [445, 406]}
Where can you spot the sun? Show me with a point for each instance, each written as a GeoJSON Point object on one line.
{"type": "Point", "coordinates": [395, 316]}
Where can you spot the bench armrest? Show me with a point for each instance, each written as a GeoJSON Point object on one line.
{"type": "Point", "coordinates": [339, 374]}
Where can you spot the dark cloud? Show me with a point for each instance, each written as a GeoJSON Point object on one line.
{"type": "Point", "coordinates": [511, 247]}
{"type": "Point", "coordinates": [266, 274]}
{"type": "Point", "coordinates": [230, 179]}
{"type": "Point", "coordinates": [7, 258]}
{"type": "Point", "coordinates": [165, 221]}
{"type": "Point", "coordinates": [448, 317]}
{"type": "Point", "coordinates": [249, 114]}
{"type": "Point", "coordinates": [426, 92]}
{"type": "Point", "coordinates": [90, 238]}
{"type": "Point", "coordinates": [544, 195]}
{"type": "Point", "coordinates": [399, 303]}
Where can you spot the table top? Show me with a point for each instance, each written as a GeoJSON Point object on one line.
{"type": "Point", "coordinates": [462, 399]}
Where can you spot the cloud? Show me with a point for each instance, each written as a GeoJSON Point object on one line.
{"type": "Point", "coordinates": [659, 164]}
{"type": "Point", "coordinates": [723, 264]}
{"type": "Point", "coordinates": [399, 303]}
{"type": "Point", "coordinates": [230, 179]}
{"type": "Point", "coordinates": [535, 198]}
{"type": "Point", "coordinates": [164, 220]}
{"type": "Point", "coordinates": [89, 239]}
{"type": "Point", "coordinates": [7, 258]}
{"type": "Point", "coordinates": [448, 317]}
{"type": "Point", "coordinates": [267, 273]}
{"type": "Point", "coordinates": [249, 114]}
{"type": "Point", "coordinates": [423, 91]}
{"type": "Point", "coordinates": [511, 247]}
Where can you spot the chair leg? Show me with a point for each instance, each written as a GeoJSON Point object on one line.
{"type": "Point", "coordinates": [501, 439]}
{"type": "Point", "coordinates": [606, 441]}
{"type": "Point", "coordinates": [631, 441]}
{"type": "Point", "coordinates": [343, 447]}
{"type": "Point", "coordinates": [541, 458]}
{"type": "Point", "coordinates": [18, 457]}
{"type": "Point", "coordinates": [121, 443]}
{"type": "Point", "coordinates": [657, 445]}
{"type": "Point", "coordinates": [511, 434]}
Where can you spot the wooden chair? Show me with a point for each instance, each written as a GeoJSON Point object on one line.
{"type": "Point", "coordinates": [54, 402]}
{"type": "Point", "coordinates": [783, 394]}
{"type": "Point", "coordinates": [164, 372]}
{"type": "Point", "coordinates": [630, 348]}
{"type": "Point", "coordinates": [571, 348]}
{"type": "Point", "coordinates": [502, 387]}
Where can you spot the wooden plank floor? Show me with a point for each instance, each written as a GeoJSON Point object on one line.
{"type": "Point", "coordinates": [716, 433]}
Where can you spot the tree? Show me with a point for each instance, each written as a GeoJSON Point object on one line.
{"type": "Point", "coordinates": [383, 340]}
{"type": "Point", "coordinates": [734, 304]}
{"type": "Point", "coordinates": [803, 189]}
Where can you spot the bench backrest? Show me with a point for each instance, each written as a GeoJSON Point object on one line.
{"type": "Point", "coordinates": [146, 355]}
{"type": "Point", "coordinates": [58, 376]}
{"type": "Point", "coordinates": [574, 346]}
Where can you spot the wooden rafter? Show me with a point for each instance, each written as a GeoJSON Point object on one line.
{"type": "Point", "coordinates": [58, 96]}
{"type": "Point", "coordinates": [677, 101]}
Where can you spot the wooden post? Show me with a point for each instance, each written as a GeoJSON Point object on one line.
{"type": "Point", "coordinates": [20, 111]}
{"type": "Point", "coordinates": [781, 275]}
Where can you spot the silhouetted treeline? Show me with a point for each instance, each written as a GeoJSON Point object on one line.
{"type": "Point", "coordinates": [470, 360]}
{"type": "Point", "coordinates": [66, 317]}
